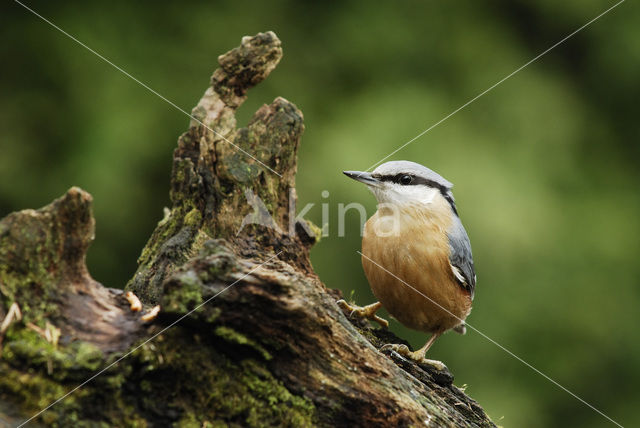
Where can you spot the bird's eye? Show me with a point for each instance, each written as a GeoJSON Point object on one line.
{"type": "Point", "coordinates": [405, 180]}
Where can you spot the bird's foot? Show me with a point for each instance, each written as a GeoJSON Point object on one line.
{"type": "Point", "coordinates": [436, 370]}
{"type": "Point", "coordinates": [368, 312]}
{"type": "Point", "coordinates": [416, 356]}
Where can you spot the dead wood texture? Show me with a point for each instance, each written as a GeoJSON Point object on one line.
{"type": "Point", "coordinates": [268, 346]}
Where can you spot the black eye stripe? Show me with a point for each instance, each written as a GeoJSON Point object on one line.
{"type": "Point", "coordinates": [414, 182]}
{"type": "Point", "coordinates": [444, 191]}
{"type": "Point", "coordinates": [396, 178]}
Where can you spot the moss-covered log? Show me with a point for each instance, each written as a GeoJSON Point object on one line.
{"type": "Point", "coordinates": [247, 334]}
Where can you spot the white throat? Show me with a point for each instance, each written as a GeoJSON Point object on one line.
{"type": "Point", "coordinates": [396, 194]}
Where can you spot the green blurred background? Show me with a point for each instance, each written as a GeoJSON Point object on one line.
{"type": "Point", "coordinates": [545, 165]}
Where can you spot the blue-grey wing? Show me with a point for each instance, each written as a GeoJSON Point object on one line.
{"type": "Point", "coordinates": [460, 258]}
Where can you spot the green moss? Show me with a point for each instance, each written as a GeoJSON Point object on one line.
{"type": "Point", "coordinates": [193, 218]}
{"type": "Point", "coordinates": [183, 294]}
{"type": "Point", "coordinates": [233, 336]}
{"type": "Point", "coordinates": [182, 168]}
{"type": "Point", "coordinates": [162, 233]}
{"type": "Point", "coordinates": [317, 231]}
{"type": "Point", "coordinates": [213, 313]}
{"type": "Point", "coordinates": [35, 374]}
{"type": "Point", "coordinates": [198, 243]}
{"type": "Point", "coordinates": [280, 403]}
{"type": "Point", "coordinates": [26, 254]}
{"type": "Point", "coordinates": [87, 355]}
{"type": "Point", "coordinates": [214, 247]}
{"type": "Point", "coordinates": [175, 380]}
{"type": "Point", "coordinates": [30, 291]}
{"type": "Point", "coordinates": [33, 390]}
{"type": "Point", "coordinates": [189, 420]}
{"type": "Point", "coordinates": [226, 391]}
{"type": "Point", "coordinates": [25, 346]}
{"type": "Point", "coordinates": [183, 214]}
{"type": "Point", "coordinates": [189, 240]}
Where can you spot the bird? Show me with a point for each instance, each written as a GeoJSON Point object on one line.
{"type": "Point", "coordinates": [416, 254]}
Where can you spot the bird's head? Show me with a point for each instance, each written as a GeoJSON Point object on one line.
{"type": "Point", "coordinates": [405, 182]}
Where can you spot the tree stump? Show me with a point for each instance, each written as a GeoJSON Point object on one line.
{"type": "Point", "coordinates": [247, 334]}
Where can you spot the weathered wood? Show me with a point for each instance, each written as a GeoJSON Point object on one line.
{"type": "Point", "coordinates": [267, 345]}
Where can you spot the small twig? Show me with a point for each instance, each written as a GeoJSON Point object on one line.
{"type": "Point", "coordinates": [53, 334]}
{"type": "Point", "coordinates": [37, 329]}
{"type": "Point", "coordinates": [50, 332]}
{"type": "Point", "coordinates": [13, 314]}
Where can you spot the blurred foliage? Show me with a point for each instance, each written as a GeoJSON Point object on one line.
{"type": "Point", "coordinates": [545, 164]}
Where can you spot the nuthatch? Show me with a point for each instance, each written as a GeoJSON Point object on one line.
{"type": "Point", "coordinates": [416, 240]}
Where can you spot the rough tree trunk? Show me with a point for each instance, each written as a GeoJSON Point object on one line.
{"type": "Point", "coordinates": [268, 346]}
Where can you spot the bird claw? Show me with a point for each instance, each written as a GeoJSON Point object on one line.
{"type": "Point", "coordinates": [368, 312]}
{"type": "Point", "coordinates": [397, 347]}
{"type": "Point", "coordinates": [402, 356]}
{"type": "Point", "coordinates": [435, 364]}
{"type": "Point", "coordinates": [416, 356]}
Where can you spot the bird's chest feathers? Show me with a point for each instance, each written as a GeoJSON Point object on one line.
{"type": "Point", "coordinates": [410, 239]}
{"type": "Point", "coordinates": [421, 226]}
{"type": "Point", "coordinates": [417, 251]}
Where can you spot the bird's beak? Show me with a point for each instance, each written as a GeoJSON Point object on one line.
{"type": "Point", "coordinates": [363, 177]}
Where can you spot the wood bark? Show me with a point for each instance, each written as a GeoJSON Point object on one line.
{"type": "Point", "coordinates": [247, 334]}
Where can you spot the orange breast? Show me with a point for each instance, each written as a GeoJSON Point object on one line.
{"type": "Point", "coordinates": [418, 253]}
